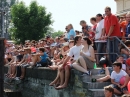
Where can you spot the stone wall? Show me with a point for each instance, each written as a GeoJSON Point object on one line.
{"type": "Point", "coordinates": [36, 84]}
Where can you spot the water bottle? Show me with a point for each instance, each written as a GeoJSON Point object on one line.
{"type": "Point", "coordinates": [95, 66]}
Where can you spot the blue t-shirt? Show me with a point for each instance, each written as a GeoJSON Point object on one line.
{"type": "Point", "coordinates": [71, 33]}
{"type": "Point", "coordinates": [44, 57]}
{"type": "Point", "coordinates": [128, 30]}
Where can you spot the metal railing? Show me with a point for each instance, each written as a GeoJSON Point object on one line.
{"type": "Point", "coordinates": [112, 53]}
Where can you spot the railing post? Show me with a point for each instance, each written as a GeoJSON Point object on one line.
{"type": "Point", "coordinates": [108, 47]}
{"type": "Point", "coordinates": [2, 49]}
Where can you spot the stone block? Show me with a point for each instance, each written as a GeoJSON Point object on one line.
{"type": "Point", "coordinates": [95, 85]}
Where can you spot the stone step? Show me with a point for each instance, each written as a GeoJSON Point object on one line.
{"type": "Point", "coordinates": [95, 85]}
{"type": "Point", "coordinates": [96, 92]}
{"type": "Point", "coordinates": [95, 71]}
{"type": "Point", "coordinates": [87, 78]}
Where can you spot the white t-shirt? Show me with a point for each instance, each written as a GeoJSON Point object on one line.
{"type": "Point", "coordinates": [117, 76]}
{"type": "Point", "coordinates": [99, 28]}
{"type": "Point", "coordinates": [75, 51]}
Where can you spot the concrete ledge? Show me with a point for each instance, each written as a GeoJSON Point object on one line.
{"type": "Point", "coordinates": [36, 84]}
{"type": "Point", "coordinates": [38, 72]}
{"type": "Point", "coordinates": [41, 73]}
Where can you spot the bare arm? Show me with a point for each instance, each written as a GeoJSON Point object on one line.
{"type": "Point", "coordinates": [103, 32]}
{"type": "Point", "coordinates": [110, 31]}
{"type": "Point", "coordinates": [66, 60]}
{"type": "Point", "coordinates": [11, 61]}
{"type": "Point", "coordinates": [113, 82]}
{"type": "Point", "coordinates": [92, 57]}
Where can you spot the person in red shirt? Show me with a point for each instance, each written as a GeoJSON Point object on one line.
{"type": "Point", "coordinates": [111, 28]}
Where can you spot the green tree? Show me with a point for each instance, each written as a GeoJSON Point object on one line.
{"type": "Point", "coordinates": [29, 23]}
{"type": "Point", "coordinates": [57, 34]}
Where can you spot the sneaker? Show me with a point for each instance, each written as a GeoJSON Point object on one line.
{"type": "Point", "coordinates": [101, 71]}
{"type": "Point", "coordinates": [39, 65]}
{"type": "Point", "coordinates": [17, 78]}
{"type": "Point", "coordinates": [89, 73]}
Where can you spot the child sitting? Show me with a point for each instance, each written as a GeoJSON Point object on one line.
{"type": "Point", "coordinates": [40, 59]}
{"type": "Point", "coordinates": [116, 75]}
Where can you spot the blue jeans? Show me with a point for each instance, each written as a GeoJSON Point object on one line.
{"type": "Point", "coordinates": [112, 47]}
{"type": "Point", "coordinates": [100, 48]}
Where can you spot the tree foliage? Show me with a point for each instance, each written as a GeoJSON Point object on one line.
{"type": "Point", "coordinates": [29, 23]}
{"type": "Point", "coordinates": [57, 34]}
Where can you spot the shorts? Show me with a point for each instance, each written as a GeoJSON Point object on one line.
{"type": "Point", "coordinates": [89, 63]}
{"type": "Point", "coordinates": [25, 65]}
{"type": "Point", "coordinates": [118, 88]}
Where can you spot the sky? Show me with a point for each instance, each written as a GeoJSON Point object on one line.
{"type": "Point", "coordinates": [65, 12]}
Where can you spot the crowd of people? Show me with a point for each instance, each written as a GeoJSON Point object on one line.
{"type": "Point", "coordinates": [77, 50]}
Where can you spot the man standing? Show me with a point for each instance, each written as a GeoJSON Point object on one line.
{"type": "Point", "coordinates": [128, 25]}
{"type": "Point", "coordinates": [111, 28]}
{"type": "Point", "coordinates": [85, 28]}
{"type": "Point", "coordinates": [99, 30]}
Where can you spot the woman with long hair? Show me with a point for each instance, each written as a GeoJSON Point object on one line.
{"type": "Point", "coordinates": [87, 57]}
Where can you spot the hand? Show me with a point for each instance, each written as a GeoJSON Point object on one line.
{"type": "Point", "coordinates": [129, 35]}
{"type": "Point", "coordinates": [105, 37]}
{"type": "Point", "coordinates": [119, 85]}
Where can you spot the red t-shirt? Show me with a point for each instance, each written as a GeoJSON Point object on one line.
{"type": "Point", "coordinates": [33, 49]}
{"type": "Point", "coordinates": [112, 21]}
{"type": "Point", "coordinates": [92, 34]}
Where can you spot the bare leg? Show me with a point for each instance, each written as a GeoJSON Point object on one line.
{"type": "Point", "coordinates": [23, 73]}
{"type": "Point", "coordinates": [62, 77]}
{"type": "Point", "coordinates": [116, 91]}
{"type": "Point", "coordinates": [9, 69]}
{"type": "Point", "coordinates": [107, 71]}
{"type": "Point", "coordinates": [56, 79]}
{"type": "Point", "coordinates": [76, 66]}
{"type": "Point", "coordinates": [54, 67]}
{"type": "Point", "coordinates": [82, 62]}
{"type": "Point", "coordinates": [67, 75]}
{"type": "Point", "coordinates": [34, 60]}
{"type": "Point", "coordinates": [13, 71]}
